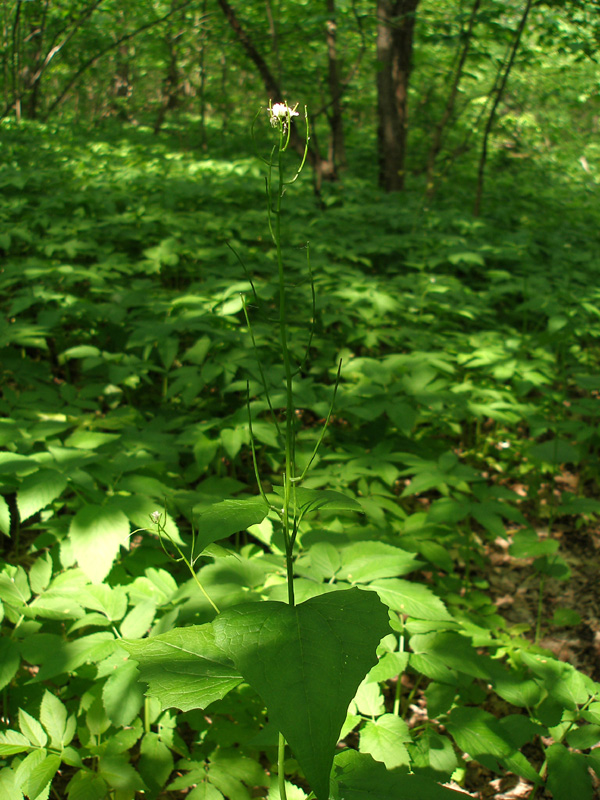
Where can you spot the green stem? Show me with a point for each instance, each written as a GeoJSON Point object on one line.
{"type": "Point", "coordinates": [288, 488]}
{"type": "Point", "coordinates": [281, 768]}
{"type": "Point", "coordinates": [146, 714]}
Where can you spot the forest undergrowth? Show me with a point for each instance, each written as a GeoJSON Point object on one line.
{"type": "Point", "coordinates": [456, 484]}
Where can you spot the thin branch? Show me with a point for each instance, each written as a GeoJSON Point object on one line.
{"type": "Point", "coordinates": [87, 64]}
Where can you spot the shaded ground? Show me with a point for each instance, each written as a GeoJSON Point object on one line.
{"type": "Point", "coordinates": [514, 587]}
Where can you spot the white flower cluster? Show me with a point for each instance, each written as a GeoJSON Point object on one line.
{"type": "Point", "coordinates": [281, 112]}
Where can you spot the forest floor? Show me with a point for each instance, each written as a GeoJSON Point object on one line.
{"type": "Point", "coordinates": [515, 591]}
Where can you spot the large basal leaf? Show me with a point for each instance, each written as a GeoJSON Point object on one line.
{"type": "Point", "coordinates": [357, 777]}
{"type": "Point", "coordinates": [306, 663]}
{"type": "Point", "coordinates": [228, 517]}
{"type": "Point", "coordinates": [184, 668]}
{"type": "Point", "coordinates": [97, 533]}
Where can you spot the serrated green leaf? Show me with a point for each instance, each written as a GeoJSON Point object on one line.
{"type": "Point", "coordinates": [228, 517]}
{"type": "Point", "coordinates": [119, 774]}
{"type": "Point", "coordinates": [310, 500]}
{"type": "Point", "coordinates": [356, 776]}
{"type": "Point", "coordinates": [9, 788]}
{"type": "Point", "coordinates": [306, 662]}
{"type": "Point", "coordinates": [385, 739]}
{"type": "Point", "coordinates": [156, 762]}
{"type": "Point", "coordinates": [584, 737]}
{"type": "Point", "coordinates": [4, 517]}
{"type": "Point", "coordinates": [14, 586]}
{"type": "Point", "coordinates": [53, 716]}
{"type": "Point", "coordinates": [320, 563]}
{"type": "Point", "coordinates": [480, 735]}
{"type": "Point", "coordinates": [364, 562]}
{"type": "Point", "coordinates": [14, 464]}
{"type": "Point", "coordinates": [527, 544]}
{"type": "Point", "coordinates": [184, 668]}
{"type": "Point", "coordinates": [122, 694]}
{"type": "Point", "coordinates": [9, 661]}
{"type": "Point", "coordinates": [97, 533]}
{"type": "Point", "coordinates": [433, 756]}
{"type": "Point", "coordinates": [41, 776]}
{"type": "Point", "coordinates": [27, 766]}
{"type": "Point", "coordinates": [85, 439]}
{"type": "Point", "coordinates": [138, 620]}
{"type": "Point", "coordinates": [108, 600]}
{"type": "Point", "coordinates": [52, 605]}
{"type": "Point", "coordinates": [87, 786]}
{"type": "Point", "coordinates": [390, 665]}
{"type": "Point", "coordinates": [32, 729]}
{"type": "Point", "coordinates": [555, 452]}
{"type": "Point", "coordinates": [568, 774]}
{"type": "Point", "coordinates": [562, 681]}
{"type": "Point", "coordinates": [205, 791]}
{"type": "Point", "coordinates": [57, 656]}
{"type": "Point", "coordinates": [38, 490]}
{"type": "Point", "coordinates": [12, 742]}
{"type": "Point", "coordinates": [368, 699]}
{"type": "Point", "coordinates": [453, 651]}
{"type": "Point", "coordinates": [412, 599]}
{"type": "Point", "coordinates": [40, 573]}
{"type": "Point", "coordinates": [79, 351]}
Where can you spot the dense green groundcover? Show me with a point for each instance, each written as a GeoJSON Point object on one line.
{"type": "Point", "coordinates": [470, 365]}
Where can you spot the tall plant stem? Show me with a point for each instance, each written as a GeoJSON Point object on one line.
{"type": "Point", "coordinates": [288, 487]}
{"type": "Point", "coordinates": [280, 768]}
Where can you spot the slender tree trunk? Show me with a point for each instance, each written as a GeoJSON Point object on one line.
{"type": "Point", "coordinates": [395, 33]}
{"type": "Point", "coordinates": [274, 38]}
{"type": "Point", "coordinates": [202, 88]}
{"type": "Point", "coordinates": [122, 88]}
{"type": "Point", "coordinates": [323, 169]}
{"type": "Point", "coordinates": [112, 46]}
{"type": "Point", "coordinates": [170, 97]}
{"type": "Point", "coordinates": [16, 62]}
{"type": "Point", "coordinates": [337, 149]}
{"type": "Point", "coordinates": [438, 134]}
{"type": "Point", "coordinates": [496, 103]}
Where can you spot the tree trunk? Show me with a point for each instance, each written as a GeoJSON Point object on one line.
{"type": "Point", "coordinates": [395, 33]}
{"type": "Point", "coordinates": [170, 98]}
{"type": "Point", "coordinates": [438, 134]}
{"type": "Point", "coordinates": [337, 150]}
{"type": "Point", "coordinates": [323, 169]}
{"type": "Point", "coordinates": [122, 88]}
{"type": "Point", "coordinates": [497, 99]}
{"type": "Point", "coordinates": [107, 49]}
{"type": "Point", "coordinates": [202, 88]}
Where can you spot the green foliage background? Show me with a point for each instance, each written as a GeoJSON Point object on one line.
{"type": "Point", "coordinates": [470, 370]}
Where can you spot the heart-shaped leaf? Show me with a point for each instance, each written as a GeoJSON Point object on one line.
{"type": "Point", "coordinates": [306, 663]}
